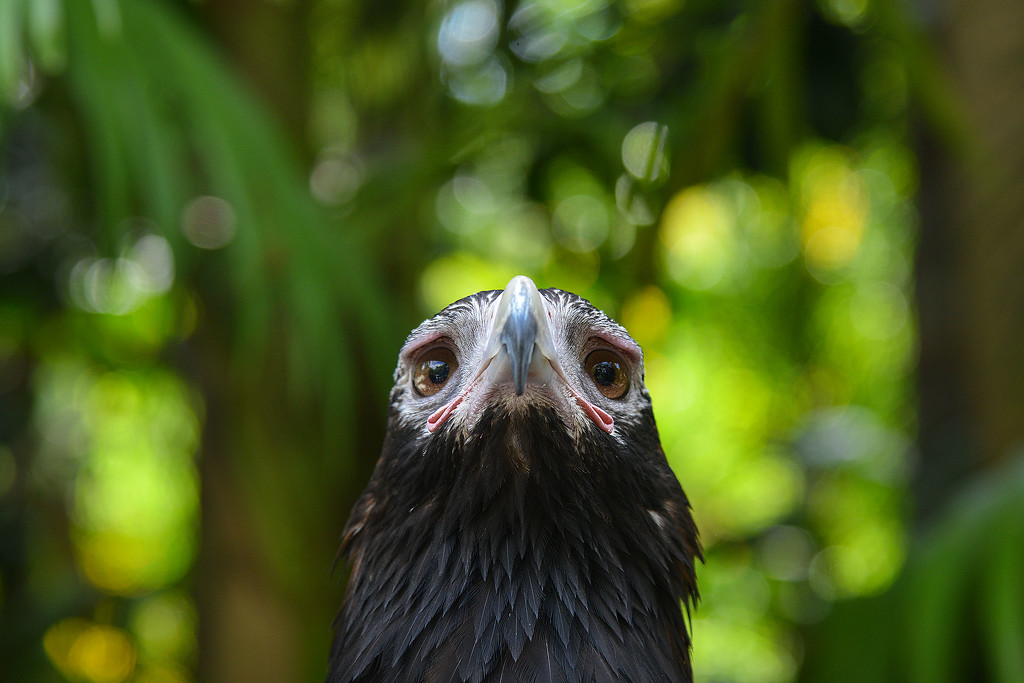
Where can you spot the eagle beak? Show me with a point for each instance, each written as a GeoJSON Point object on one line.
{"type": "Point", "coordinates": [520, 324]}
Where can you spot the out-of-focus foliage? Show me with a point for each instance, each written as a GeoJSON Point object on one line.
{"type": "Point", "coordinates": [145, 153]}
{"type": "Point", "coordinates": [956, 614]}
{"type": "Point", "coordinates": [181, 297]}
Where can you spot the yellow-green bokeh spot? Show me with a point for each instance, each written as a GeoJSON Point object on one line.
{"type": "Point", "coordinates": [83, 650]}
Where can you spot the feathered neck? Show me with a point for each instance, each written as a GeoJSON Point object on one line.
{"type": "Point", "coordinates": [518, 551]}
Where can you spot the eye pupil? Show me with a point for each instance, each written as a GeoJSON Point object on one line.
{"type": "Point", "coordinates": [604, 373]}
{"type": "Point", "coordinates": [438, 371]}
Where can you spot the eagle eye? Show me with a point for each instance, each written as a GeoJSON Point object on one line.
{"type": "Point", "coordinates": [434, 368]}
{"type": "Point", "coordinates": [608, 371]}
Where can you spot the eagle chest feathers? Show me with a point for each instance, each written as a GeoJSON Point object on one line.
{"type": "Point", "coordinates": [522, 523]}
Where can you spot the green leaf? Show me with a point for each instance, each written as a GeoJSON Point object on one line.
{"type": "Point", "coordinates": [108, 17]}
{"type": "Point", "coordinates": [1002, 590]}
{"type": "Point", "coordinates": [46, 34]}
{"type": "Point", "coordinates": [978, 545]}
{"type": "Point", "coordinates": [936, 599]}
{"type": "Point", "coordinates": [96, 82]}
{"type": "Point", "coordinates": [12, 56]}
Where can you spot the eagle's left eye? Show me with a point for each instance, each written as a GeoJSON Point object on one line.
{"type": "Point", "coordinates": [433, 370]}
{"type": "Point", "coordinates": [609, 372]}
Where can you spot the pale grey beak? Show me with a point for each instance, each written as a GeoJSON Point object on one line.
{"type": "Point", "coordinates": [520, 326]}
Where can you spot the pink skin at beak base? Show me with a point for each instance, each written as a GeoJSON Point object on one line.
{"type": "Point", "coordinates": [600, 418]}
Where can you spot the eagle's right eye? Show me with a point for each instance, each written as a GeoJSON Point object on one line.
{"type": "Point", "coordinates": [609, 372]}
{"type": "Point", "coordinates": [434, 368]}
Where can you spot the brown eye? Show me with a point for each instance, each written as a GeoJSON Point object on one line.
{"type": "Point", "coordinates": [433, 370]}
{"type": "Point", "coordinates": [608, 370]}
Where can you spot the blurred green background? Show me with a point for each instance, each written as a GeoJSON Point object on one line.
{"type": "Point", "coordinates": [219, 219]}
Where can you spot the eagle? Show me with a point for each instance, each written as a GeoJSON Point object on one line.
{"type": "Point", "coordinates": [522, 522]}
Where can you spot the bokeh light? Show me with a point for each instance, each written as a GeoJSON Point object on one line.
{"type": "Point", "coordinates": [643, 152]}
{"type": "Point", "coordinates": [697, 230]}
{"type": "Point", "coordinates": [119, 286]}
{"type": "Point", "coordinates": [466, 41]}
{"type": "Point", "coordinates": [83, 650]}
{"type": "Point", "coordinates": [209, 222]}
{"type": "Point", "coordinates": [134, 484]}
{"type": "Point", "coordinates": [336, 177]}
{"type": "Point", "coordinates": [164, 625]}
{"type": "Point", "coordinates": [469, 32]}
{"type": "Point", "coordinates": [835, 201]}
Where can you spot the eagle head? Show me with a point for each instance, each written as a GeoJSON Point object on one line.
{"type": "Point", "coordinates": [522, 523]}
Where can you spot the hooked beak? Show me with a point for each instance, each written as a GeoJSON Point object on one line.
{"type": "Point", "coordinates": [520, 326]}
